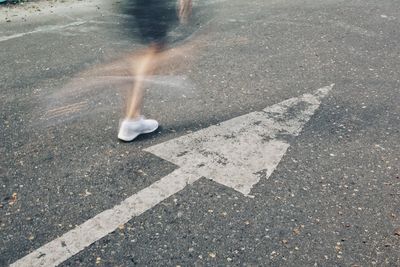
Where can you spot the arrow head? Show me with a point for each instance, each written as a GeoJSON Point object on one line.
{"type": "Point", "coordinates": [239, 152]}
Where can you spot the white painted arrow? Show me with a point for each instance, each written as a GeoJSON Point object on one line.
{"type": "Point", "coordinates": [236, 153]}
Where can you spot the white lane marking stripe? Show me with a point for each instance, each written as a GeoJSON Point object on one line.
{"type": "Point", "coordinates": [41, 29]}
{"type": "Point", "coordinates": [285, 117]}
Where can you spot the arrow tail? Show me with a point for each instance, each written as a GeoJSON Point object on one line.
{"type": "Point", "coordinates": [74, 241]}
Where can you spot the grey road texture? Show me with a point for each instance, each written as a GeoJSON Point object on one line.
{"type": "Point", "coordinates": [333, 198]}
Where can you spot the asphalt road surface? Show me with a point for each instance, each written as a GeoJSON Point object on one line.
{"type": "Point", "coordinates": [237, 174]}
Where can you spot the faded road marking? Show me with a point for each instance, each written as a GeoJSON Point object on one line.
{"type": "Point", "coordinates": [56, 112]}
{"type": "Point", "coordinates": [41, 29]}
{"type": "Point", "coordinates": [352, 28]}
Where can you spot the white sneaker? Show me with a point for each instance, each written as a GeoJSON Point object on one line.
{"type": "Point", "coordinates": [130, 128]}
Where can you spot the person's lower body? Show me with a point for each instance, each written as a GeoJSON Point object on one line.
{"type": "Point", "coordinates": [153, 19]}
{"type": "Point", "coordinates": [134, 123]}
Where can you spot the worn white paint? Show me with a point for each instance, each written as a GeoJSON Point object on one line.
{"type": "Point", "coordinates": [50, 28]}
{"type": "Point", "coordinates": [236, 153]}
